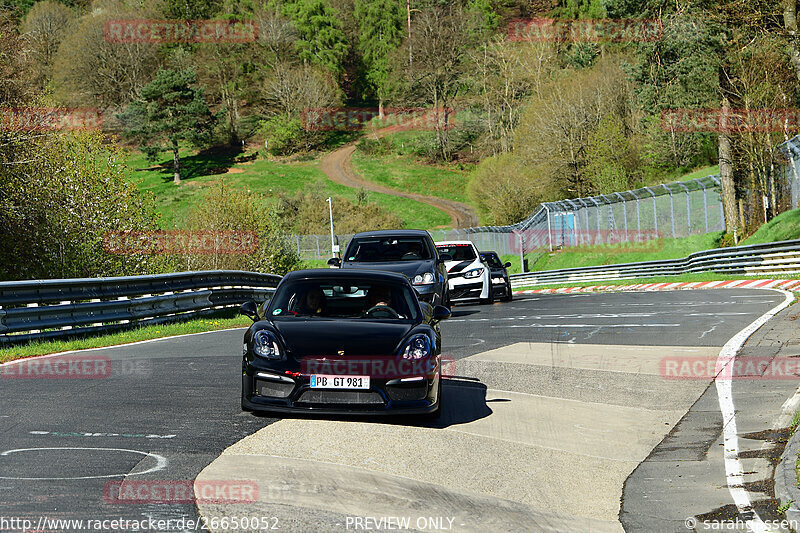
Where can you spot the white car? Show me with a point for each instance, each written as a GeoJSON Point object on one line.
{"type": "Point", "coordinates": [468, 278]}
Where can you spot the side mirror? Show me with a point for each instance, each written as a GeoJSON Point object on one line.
{"type": "Point", "coordinates": [440, 313]}
{"type": "Point", "coordinates": [250, 309]}
{"type": "Point", "coordinates": [445, 257]}
{"type": "Point", "coordinates": [334, 262]}
{"type": "Point", "coordinates": [507, 265]}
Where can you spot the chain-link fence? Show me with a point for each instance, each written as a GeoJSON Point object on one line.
{"type": "Point", "coordinates": [671, 210]}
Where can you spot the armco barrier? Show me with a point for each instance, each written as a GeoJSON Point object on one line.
{"type": "Point", "coordinates": [771, 258]}
{"type": "Point", "coordinates": [46, 309]}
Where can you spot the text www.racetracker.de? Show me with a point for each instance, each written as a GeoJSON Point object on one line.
{"type": "Point", "coordinates": [44, 523]}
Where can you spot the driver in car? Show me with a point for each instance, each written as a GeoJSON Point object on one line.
{"type": "Point", "coordinates": [313, 302]}
{"type": "Point", "coordinates": [378, 296]}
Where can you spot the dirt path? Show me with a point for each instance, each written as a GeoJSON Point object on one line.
{"type": "Point", "coordinates": [337, 166]}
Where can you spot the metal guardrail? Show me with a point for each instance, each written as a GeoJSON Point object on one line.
{"type": "Point", "coordinates": [47, 309]}
{"type": "Point", "coordinates": [770, 258]}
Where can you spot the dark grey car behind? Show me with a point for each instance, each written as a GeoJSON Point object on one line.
{"type": "Point", "coordinates": [409, 252]}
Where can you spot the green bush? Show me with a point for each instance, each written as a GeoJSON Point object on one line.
{"type": "Point", "coordinates": [373, 146]}
{"type": "Point", "coordinates": [504, 190]}
{"type": "Point", "coordinates": [225, 209]}
{"type": "Point", "coordinates": [284, 135]}
{"type": "Point", "coordinates": [60, 195]}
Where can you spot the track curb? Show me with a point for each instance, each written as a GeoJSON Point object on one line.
{"type": "Point", "coordinates": [786, 284]}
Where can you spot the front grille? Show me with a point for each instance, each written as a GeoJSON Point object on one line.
{"type": "Point", "coordinates": [341, 397]}
{"type": "Point", "coordinates": [273, 388]}
{"type": "Point", "coordinates": [405, 393]}
{"type": "Point", "coordinates": [470, 290]}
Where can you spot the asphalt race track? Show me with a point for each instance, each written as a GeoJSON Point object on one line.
{"type": "Point", "coordinates": [555, 401]}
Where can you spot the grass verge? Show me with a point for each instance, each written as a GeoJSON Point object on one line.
{"type": "Point", "coordinates": [224, 320]}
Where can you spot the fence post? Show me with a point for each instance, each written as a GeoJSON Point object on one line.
{"type": "Point", "coordinates": [624, 214]}
{"type": "Point", "coordinates": [549, 229]}
{"type": "Point", "coordinates": [638, 217]}
{"type": "Point", "coordinates": [705, 203]}
{"type": "Point", "coordinates": [671, 210]}
{"type": "Point", "coordinates": [319, 254]}
{"type": "Point", "coordinates": [688, 207]}
{"type": "Point", "coordinates": [655, 211]}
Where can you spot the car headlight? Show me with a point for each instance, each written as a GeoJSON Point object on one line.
{"type": "Point", "coordinates": [474, 273]}
{"type": "Point", "coordinates": [423, 279]}
{"type": "Point", "coordinates": [418, 346]}
{"type": "Point", "coordinates": [266, 345]}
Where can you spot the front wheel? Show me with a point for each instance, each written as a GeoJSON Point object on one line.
{"type": "Point", "coordinates": [509, 294]}
{"type": "Point", "coordinates": [435, 415]}
{"type": "Point", "coordinates": [490, 299]}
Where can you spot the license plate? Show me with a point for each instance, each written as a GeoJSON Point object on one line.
{"type": "Point", "coordinates": [339, 382]}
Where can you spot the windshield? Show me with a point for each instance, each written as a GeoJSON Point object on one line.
{"type": "Point", "coordinates": [344, 298]}
{"type": "Point", "coordinates": [459, 252]}
{"type": "Point", "coordinates": [492, 260]}
{"type": "Point", "coordinates": [388, 249]}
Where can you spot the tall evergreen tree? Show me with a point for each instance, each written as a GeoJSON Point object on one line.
{"type": "Point", "coordinates": [380, 24]}
{"type": "Point", "coordinates": [321, 37]}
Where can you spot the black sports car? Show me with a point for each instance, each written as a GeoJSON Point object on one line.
{"type": "Point", "coordinates": [501, 284]}
{"type": "Point", "coordinates": [410, 252]}
{"type": "Point", "coordinates": [343, 341]}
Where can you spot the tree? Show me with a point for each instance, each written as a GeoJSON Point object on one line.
{"type": "Point", "coordinates": [441, 36]}
{"type": "Point", "coordinates": [505, 190]}
{"type": "Point", "coordinates": [380, 24]}
{"type": "Point", "coordinates": [678, 71]}
{"type": "Point", "coordinates": [90, 70]}
{"type": "Point", "coordinates": [15, 65]}
{"type": "Point", "coordinates": [170, 109]}
{"type": "Point", "coordinates": [44, 27]}
{"type": "Point", "coordinates": [322, 40]}
{"type": "Point", "coordinates": [556, 129]}
{"type": "Point", "coordinates": [505, 75]}
{"type": "Point", "coordinates": [612, 162]}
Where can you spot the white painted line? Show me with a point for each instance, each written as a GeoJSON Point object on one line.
{"type": "Point", "coordinates": [161, 464]}
{"type": "Point", "coordinates": [724, 383]}
{"type": "Point", "coordinates": [599, 326]}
